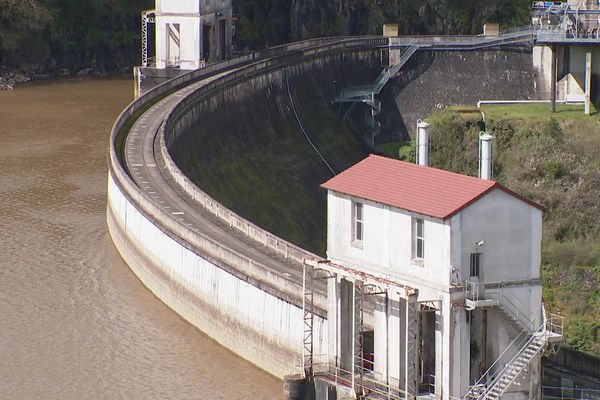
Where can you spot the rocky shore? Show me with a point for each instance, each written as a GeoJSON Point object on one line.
{"type": "Point", "coordinates": [10, 79]}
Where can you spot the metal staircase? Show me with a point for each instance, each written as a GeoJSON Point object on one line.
{"type": "Point", "coordinates": [520, 352]}
{"type": "Point", "coordinates": [366, 93]}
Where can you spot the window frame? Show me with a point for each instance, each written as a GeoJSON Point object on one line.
{"type": "Point", "coordinates": [475, 264]}
{"type": "Point", "coordinates": [358, 222]}
{"type": "Point", "coordinates": [418, 248]}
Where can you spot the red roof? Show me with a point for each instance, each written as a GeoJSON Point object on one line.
{"type": "Point", "coordinates": [423, 190]}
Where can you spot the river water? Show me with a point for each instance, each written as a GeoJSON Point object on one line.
{"type": "Point", "coordinates": [75, 323]}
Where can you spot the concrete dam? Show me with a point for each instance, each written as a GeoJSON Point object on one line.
{"type": "Point", "coordinates": [214, 197]}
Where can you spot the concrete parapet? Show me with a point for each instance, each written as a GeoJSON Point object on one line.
{"type": "Point", "coordinates": [240, 314]}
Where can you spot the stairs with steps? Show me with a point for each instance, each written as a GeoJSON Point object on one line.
{"type": "Point", "coordinates": [366, 93]}
{"type": "Point", "coordinates": [518, 355]}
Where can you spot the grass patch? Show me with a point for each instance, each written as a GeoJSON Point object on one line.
{"type": "Point", "coordinates": [534, 112]}
{"type": "Point", "coordinates": [398, 150]}
{"type": "Point", "coordinates": [467, 113]}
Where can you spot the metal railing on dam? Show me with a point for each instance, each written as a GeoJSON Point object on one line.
{"type": "Point", "coordinates": [245, 302]}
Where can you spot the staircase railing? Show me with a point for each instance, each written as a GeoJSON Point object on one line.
{"type": "Point", "coordinates": [500, 295]}
{"type": "Point", "coordinates": [511, 304]}
{"type": "Point", "coordinates": [388, 73]}
{"type": "Point", "coordinates": [497, 379]}
{"type": "Point", "coordinates": [481, 386]}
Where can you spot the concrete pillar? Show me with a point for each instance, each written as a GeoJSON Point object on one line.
{"type": "Point", "coordinates": [588, 82]}
{"type": "Point", "coordinates": [553, 80]}
{"type": "Point", "coordinates": [380, 319]}
{"type": "Point", "coordinates": [346, 352]}
{"type": "Point", "coordinates": [333, 320]}
{"type": "Point", "coordinates": [396, 340]}
{"type": "Point", "coordinates": [439, 360]}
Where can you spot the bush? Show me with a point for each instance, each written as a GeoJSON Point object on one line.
{"type": "Point", "coordinates": [554, 169]}
{"type": "Point", "coordinates": [503, 135]}
{"type": "Point", "coordinates": [552, 129]}
{"type": "Point", "coordinates": [584, 336]}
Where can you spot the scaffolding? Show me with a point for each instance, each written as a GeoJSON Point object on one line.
{"type": "Point", "coordinates": [148, 17]}
{"type": "Point", "coordinates": [354, 375]}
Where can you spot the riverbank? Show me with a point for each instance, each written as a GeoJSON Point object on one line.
{"type": "Point", "coordinates": [10, 79]}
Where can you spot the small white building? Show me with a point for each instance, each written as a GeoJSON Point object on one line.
{"type": "Point", "coordinates": [464, 251]}
{"type": "Point", "coordinates": [187, 35]}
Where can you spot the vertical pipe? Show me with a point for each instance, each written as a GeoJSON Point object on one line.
{"type": "Point", "coordinates": [588, 81]}
{"type": "Point", "coordinates": [423, 143]}
{"type": "Point", "coordinates": [553, 79]}
{"type": "Point", "coordinates": [485, 156]}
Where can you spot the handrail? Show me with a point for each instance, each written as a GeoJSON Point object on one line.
{"type": "Point", "coordinates": [548, 327]}
{"type": "Point", "coordinates": [342, 376]}
{"type": "Point", "coordinates": [527, 321]}
{"type": "Point", "coordinates": [489, 375]}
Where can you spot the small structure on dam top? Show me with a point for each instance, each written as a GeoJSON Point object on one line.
{"type": "Point", "coordinates": [434, 284]}
{"type": "Point", "coordinates": [187, 35]}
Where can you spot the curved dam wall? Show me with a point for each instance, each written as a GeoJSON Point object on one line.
{"type": "Point", "coordinates": [245, 316]}
{"type": "Point", "coordinates": [234, 299]}
{"type": "Point", "coordinates": [244, 147]}
{"type": "Point", "coordinates": [251, 154]}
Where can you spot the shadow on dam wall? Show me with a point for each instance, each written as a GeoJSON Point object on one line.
{"type": "Point", "coordinates": [246, 148]}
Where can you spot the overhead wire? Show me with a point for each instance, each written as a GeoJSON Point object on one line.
{"type": "Point", "coordinates": [287, 83]}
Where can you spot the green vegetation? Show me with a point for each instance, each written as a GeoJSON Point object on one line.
{"type": "Point", "coordinates": [553, 159]}
{"type": "Point", "coordinates": [47, 36]}
{"type": "Point", "coordinates": [260, 165]}
{"type": "Point", "coordinates": [60, 36]}
{"type": "Point", "coordinates": [404, 151]}
{"type": "Point", "coordinates": [268, 22]}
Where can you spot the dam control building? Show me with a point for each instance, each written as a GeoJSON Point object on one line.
{"type": "Point", "coordinates": [451, 265]}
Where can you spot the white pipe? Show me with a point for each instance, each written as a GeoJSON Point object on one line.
{"type": "Point", "coordinates": [485, 156]}
{"type": "Point", "coordinates": [480, 102]}
{"type": "Point", "coordinates": [423, 143]}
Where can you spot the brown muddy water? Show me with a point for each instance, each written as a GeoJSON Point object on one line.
{"type": "Point", "coordinates": [75, 323]}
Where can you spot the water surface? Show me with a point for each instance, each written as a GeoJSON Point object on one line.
{"type": "Point", "coordinates": [75, 323]}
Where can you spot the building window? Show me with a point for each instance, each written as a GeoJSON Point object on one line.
{"type": "Point", "coordinates": [357, 221]}
{"type": "Point", "coordinates": [419, 239]}
{"type": "Point", "coordinates": [475, 264]}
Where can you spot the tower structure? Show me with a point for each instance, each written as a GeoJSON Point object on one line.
{"type": "Point", "coordinates": [434, 284]}
{"type": "Point", "coordinates": [179, 36]}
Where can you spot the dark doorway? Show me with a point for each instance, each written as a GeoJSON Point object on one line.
{"type": "Point", "coordinates": [427, 350]}
{"type": "Point", "coordinates": [222, 39]}
{"type": "Point", "coordinates": [206, 41]}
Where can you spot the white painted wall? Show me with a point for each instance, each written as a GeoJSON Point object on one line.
{"type": "Point", "coordinates": [190, 41]}
{"type": "Point", "coordinates": [387, 244]}
{"type": "Point", "coordinates": [191, 15]}
{"type": "Point", "coordinates": [258, 326]}
{"type": "Point", "coordinates": [511, 230]}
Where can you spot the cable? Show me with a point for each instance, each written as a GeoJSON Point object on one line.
{"type": "Point", "coordinates": [287, 83]}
